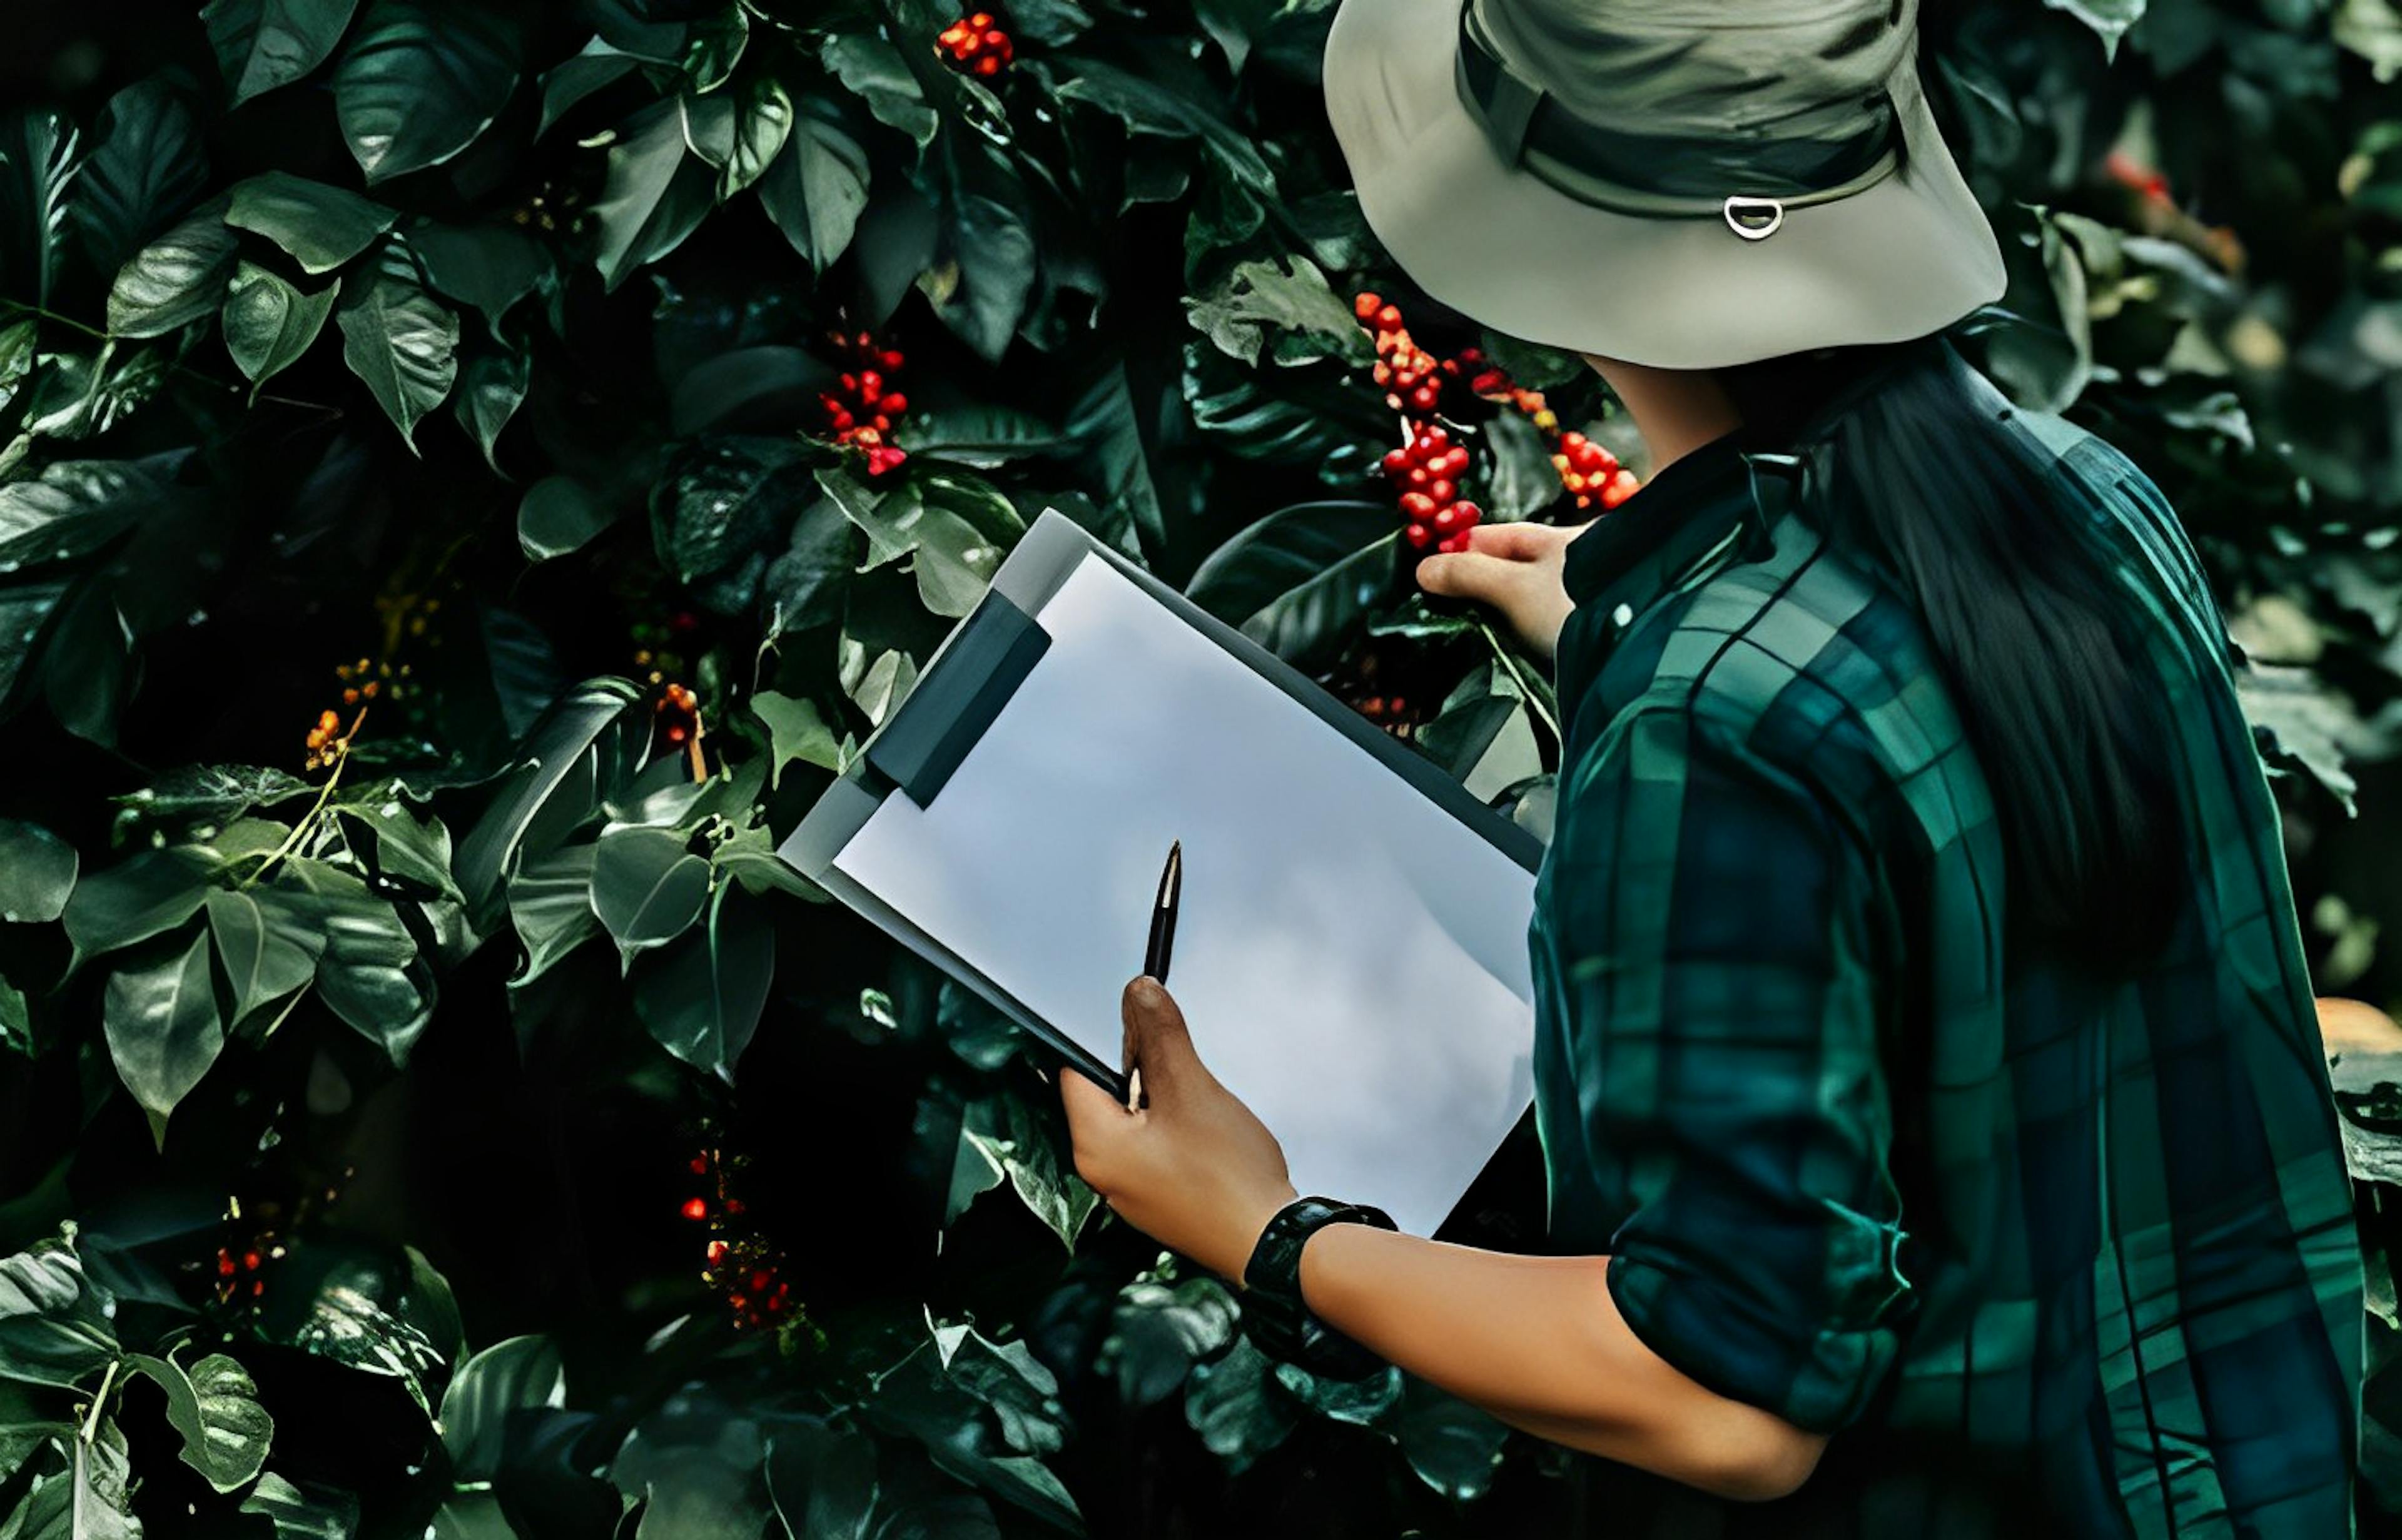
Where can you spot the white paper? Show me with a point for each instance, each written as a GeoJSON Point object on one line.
{"type": "Point", "coordinates": [1350, 957]}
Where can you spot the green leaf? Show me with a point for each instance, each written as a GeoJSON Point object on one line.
{"type": "Point", "coordinates": [356, 1305]}
{"type": "Point", "coordinates": [738, 135]}
{"type": "Point", "coordinates": [881, 685]}
{"type": "Point", "coordinates": [1007, 1131]}
{"type": "Point", "coordinates": [816, 189]}
{"type": "Point", "coordinates": [1158, 1333]}
{"type": "Point", "coordinates": [421, 81]}
{"type": "Point", "coordinates": [745, 387]}
{"type": "Point", "coordinates": [822, 1479]}
{"type": "Point", "coordinates": [952, 560]}
{"type": "Point", "coordinates": [596, 67]}
{"type": "Point", "coordinates": [489, 266]}
{"type": "Point", "coordinates": [2110, 19]}
{"type": "Point", "coordinates": [491, 388]}
{"type": "Point", "coordinates": [550, 903]}
{"type": "Point", "coordinates": [37, 165]}
{"type": "Point", "coordinates": [1103, 422]}
{"type": "Point", "coordinates": [400, 339]}
{"type": "Point", "coordinates": [146, 170]}
{"type": "Point", "coordinates": [269, 323]}
{"type": "Point", "coordinates": [369, 974]}
{"type": "Point", "coordinates": [311, 1513]}
{"type": "Point", "coordinates": [795, 730]}
{"type": "Point", "coordinates": [73, 508]}
{"type": "Point", "coordinates": [55, 1319]}
{"type": "Point", "coordinates": [982, 434]}
{"type": "Point", "coordinates": [37, 873]}
{"type": "Point", "coordinates": [1234, 1403]}
{"type": "Point", "coordinates": [1456, 1447]}
{"type": "Point", "coordinates": [646, 888]}
{"type": "Point", "coordinates": [265, 945]}
{"type": "Point", "coordinates": [559, 515]}
{"type": "Point", "coordinates": [163, 1029]}
{"type": "Point", "coordinates": [568, 760]}
{"type": "Point", "coordinates": [721, 503]}
{"type": "Point", "coordinates": [804, 586]}
{"type": "Point", "coordinates": [89, 1498]}
{"type": "Point", "coordinates": [177, 277]}
{"type": "Point", "coordinates": [216, 1407]}
{"type": "Point", "coordinates": [1295, 314]}
{"type": "Point", "coordinates": [655, 194]}
{"type": "Point", "coordinates": [874, 70]}
{"type": "Point", "coordinates": [210, 792]}
{"type": "Point", "coordinates": [320, 226]}
{"type": "Point", "coordinates": [984, 275]}
{"type": "Point", "coordinates": [1302, 580]}
{"type": "Point", "coordinates": [703, 1001]}
{"type": "Point", "coordinates": [263, 44]}
{"type": "Point", "coordinates": [1520, 479]}
{"type": "Point", "coordinates": [135, 899]}
{"type": "Point", "coordinates": [519, 1372]}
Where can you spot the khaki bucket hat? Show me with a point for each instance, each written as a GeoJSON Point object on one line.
{"type": "Point", "coordinates": [1680, 182]}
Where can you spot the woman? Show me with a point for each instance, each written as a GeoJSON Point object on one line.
{"type": "Point", "coordinates": [1935, 1133]}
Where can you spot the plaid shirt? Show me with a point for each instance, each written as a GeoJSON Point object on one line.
{"type": "Point", "coordinates": [2088, 1251]}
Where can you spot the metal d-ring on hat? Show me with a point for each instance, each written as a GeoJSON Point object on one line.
{"type": "Point", "coordinates": [1664, 175]}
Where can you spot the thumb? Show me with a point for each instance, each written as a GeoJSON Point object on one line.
{"type": "Point", "coordinates": [1468, 574]}
{"type": "Point", "coordinates": [1085, 1097]}
{"type": "Point", "coordinates": [1157, 1039]}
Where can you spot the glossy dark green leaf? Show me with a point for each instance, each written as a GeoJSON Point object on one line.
{"type": "Point", "coordinates": [816, 188]}
{"type": "Point", "coordinates": [269, 323]}
{"type": "Point", "coordinates": [1300, 580]}
{"type": "Point", "coordinates": [822, 1479]}
{"type": "Point", "coordinates": [740, 133]}
{"type": "Point", "coordinates": [559, 515]}
{"type": "Point", "coordinates": [263, 44]}
{"type": "Point", "coordinates": [356, 1304]}
{"type": "Point", "coordinates": [73, 508]}
{"type": "Point", "coordinates": [550, 903]}
{"type": "Point", "coordinates": [984, 434]}
{"type": "Point", "coordinates": [369, 974]}
{"type": "Point", "coordinates": [1158, 1333]}
{"type": "Point", "coordinates": [1234, 1403]}
{"type": "Point", "coordinates": [214, 1406]}
{"type": "Point", "coordinates": [419, 81]}
{"type": "Point", "coordinates": [491, 388]}
{"type": "Point", "coordinates": [90, 1497]}
{"type": "Point", "coordinates": [1103, 420]}
{"type": "Point", "coordinates": [568, 760]}
{"type": "Point", "coordinates": [518, 1372]}
{"type": "Point", "coordinates": [1520, 480]}
{"type": "Point", "coordinates": [267, 944]}
{"type": "Point", "coordinates": [399, 339]}
{"type": "Point", "coordinates": [321, 226]}
{"type": "Point", "coordinates": [749, 388]}
{"type": "Point", "coordinates": [179, 277]}
{"type": "Point", "coordinates": [983, 275]}
{"type": "Point", "coordinates": [37, 873]}
{"type": "Point", "coordinates": [952, 560]}
{"type": "Point", "coordinates": [1031, 1153]}
{"type": "Point", "coordinates": [718, 512]}
{"type": "Point", "coordinates": [136, 899]}
{"type": "Point", "coordinates": [37, 170]}
{"type": "Point", "coordinates": [1456, 1447]}
{"type": "Point", "coordinates": [163, 1025]}
{"type": "Point", "coordinates": [796, 731]}
{"type": "Point", "coordinates": [646, 886]}
{"type": "Point", "coordinates": [55, 1318]}
{"type": "Point", "coordinates": [489, 266]}
{"type": "Point", "coordinates": [210, 792]}
{"type": "Point", "coordinates": [874, 70]}
{"type": "Point", "coordinates": [146, 170]}
{"type": "Point", "coordinates": [704, 999]}
{"type": "Point", "coordinates": [804, 586]}
{"type": "Point", "coordinates": [656, 193]}
{"type": "Point", "coordinates": [569, 82]}
{"type": "Point", "coordinates": [313, 1511]}
{"type": "Point", "coordinates": [1295, 315]}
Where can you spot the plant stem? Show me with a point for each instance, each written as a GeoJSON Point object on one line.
{"type": "Point", "coordinates": [1527, 687]}
{"type": "Point", "coordinates": [292, 841]}
{"type": "Point", "coordinates": [99, 1399]}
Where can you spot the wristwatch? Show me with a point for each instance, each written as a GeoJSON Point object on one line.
{"type": "Point", "coordinates": [1275, 1316]}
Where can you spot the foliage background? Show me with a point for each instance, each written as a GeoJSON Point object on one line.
{"type": "Point", "coordinates": [348, 1118]}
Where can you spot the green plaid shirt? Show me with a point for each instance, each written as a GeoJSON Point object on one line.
{"type": "Point", "coordinates": [2088, 1252]}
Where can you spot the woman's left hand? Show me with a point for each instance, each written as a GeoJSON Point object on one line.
{"type": "Point", "coordinates": [1194, 1169]}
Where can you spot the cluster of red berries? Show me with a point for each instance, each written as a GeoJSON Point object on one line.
{"type": "Point", "coordinates": [679, 713]}
{"type": "Point", "coordinates": [1406, 370]}
{"type": "Point", "coordinates": [1426, 471]}
{"type": "Point", "coordinates": [1384, 708]}
{"type": "Point", "coordinates": [977, 43]}
{"type": "Point", "coordinates": [1591, 471]}
{"type": "Point", "coordinates": [234, 1270]}
{"type": "Point", "coordinates": [739, 1263]}
{"type": "Point", "coordinates": [362, 682]}
{"type": "Point", "coordinates": [864, 412]}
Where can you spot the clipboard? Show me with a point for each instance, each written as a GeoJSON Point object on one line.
{"type": "Point", "coordinates": [984, 663]}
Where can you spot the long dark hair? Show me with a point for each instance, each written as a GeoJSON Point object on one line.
{"type": "Point", "coordinates": [1926, 475]}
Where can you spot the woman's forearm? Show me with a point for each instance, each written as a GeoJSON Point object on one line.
{"type": "Point", "coordinates": [1538, 1342]}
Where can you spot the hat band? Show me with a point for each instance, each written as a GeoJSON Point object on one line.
{"type": "Point", "coordinates": [1662, 174]}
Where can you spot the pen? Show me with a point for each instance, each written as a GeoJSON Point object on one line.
{"type": "Point", "coordinates": [1154, 953]}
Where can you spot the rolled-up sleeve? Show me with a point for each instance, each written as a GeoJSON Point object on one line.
{"type": "Point", "coordinates": [1713, 920]}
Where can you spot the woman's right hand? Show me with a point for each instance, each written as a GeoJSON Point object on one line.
{"type": "Point", "coordinates": [1516, 568]}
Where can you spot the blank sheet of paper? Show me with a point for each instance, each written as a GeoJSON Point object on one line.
{"type": "Point", "coordinates": [1350, 957]}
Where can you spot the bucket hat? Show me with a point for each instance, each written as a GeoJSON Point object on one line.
{"type": "Point", "coordinates": [1680, 183]}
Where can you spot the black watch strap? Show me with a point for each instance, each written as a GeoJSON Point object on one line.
{"type": "Point", "coordinates": [1275, 1316]}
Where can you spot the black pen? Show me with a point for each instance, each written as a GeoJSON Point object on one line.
{"type": "Point", "coordinates": [1154, 952]}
